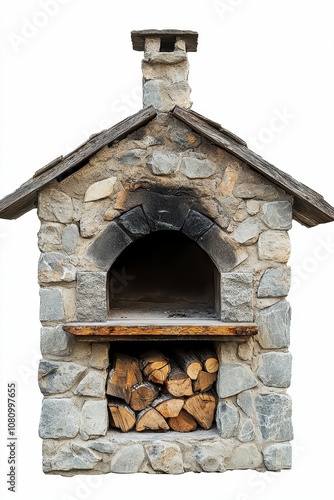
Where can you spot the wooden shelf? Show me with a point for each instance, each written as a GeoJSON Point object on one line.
{"type": "Point", "coordinates": [162, 330]}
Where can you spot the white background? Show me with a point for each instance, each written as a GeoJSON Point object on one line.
{"type": "Point", "coordinates": [72, 73]}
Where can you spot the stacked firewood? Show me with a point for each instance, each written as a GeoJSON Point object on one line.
{"type": "Point", "coordinates": [158, 391]}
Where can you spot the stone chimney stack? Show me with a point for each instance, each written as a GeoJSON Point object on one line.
{"type": "Point", "coordinates": [165, 66]}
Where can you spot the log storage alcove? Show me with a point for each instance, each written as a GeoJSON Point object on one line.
{"type": "Point", "coordinates": [165, 325]}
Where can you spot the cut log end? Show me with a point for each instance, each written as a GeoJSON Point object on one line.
{"type": "Point", "coordinates": [150, 419]}
{"type": "Point", "coordinates": [184, 422]}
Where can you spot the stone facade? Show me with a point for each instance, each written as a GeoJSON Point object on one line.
{"type": "Point", "coordinates": [241, 220]}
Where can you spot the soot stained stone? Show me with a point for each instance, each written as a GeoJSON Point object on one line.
{"type": "Point", "coordinates": [108, 246]}
{"type": "Point", "coordinates": [196, 224]}
{"type": "Point", "coordinates": [166, 212]}
{"type": "Point", "coordinates": [134, 222]}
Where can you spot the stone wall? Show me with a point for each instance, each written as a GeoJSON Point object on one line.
{"type": "Point", "coordinates": [230, 207]}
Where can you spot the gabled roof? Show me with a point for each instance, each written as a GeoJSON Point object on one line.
{"type": "Point", "coordinates": [309, 207]}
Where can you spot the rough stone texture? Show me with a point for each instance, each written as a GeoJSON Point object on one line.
{"type": "Point", "coordinates": [274, 326]}
{"type": "Point", "coordinates": [275, 282]}
{"type": "Point", "coordinates": [56, 377]}
{"type": "Point", "coordinates": [237, 297]}
{"type": "Point", "coordinates": [247, 232]}
{"type": "Point", "coordinates": [132, 157]}
{"type": "Point", "coordinates": [92, 220]}
{"type": "Point", "coordinates": [249, 190]}
{"type": "Point", "coordinates": [245, 351]}
{"type": "Point", "coordinates": [51, 304]}
{"type": "Point", "coordinates": [165, 212]}
{"type": "Point", "coordinates": [94, 419]}
{"type": "Point", "coordinates": [245, 402]}
{"type": "Point", "coordinates": [278, 456]}
{"type": "Point", "coordinates": [194, 168]}
{"type": "Point", "coordinates": [128, 460]}
{"type": "Point", "coordinates": [108, 245]}
{"type": "Point", "coordinates": [103, 446]}
{"type": "Point", "coordinates": [60, 418]}
{"type": "Point", "coordinates": [49, 237]}
{"type": "Point", "coordinates": [278, 215]}
{"type": "Point", "coordinates": [91, 296]}
{"type": "Point", "coordinates": [209, 456]}
{"type": "Point", "coordinates": [55, 206]}
{"type": "Point", "coordinates": [196, 224]}
{"type": "Point", "coordinates": [274, 245]}
{"type": "Point", "coordinates": [245, 456]}
{"type": "Point", "coordinates": [275, 369]}
{"type": "Point", "coordinates": [135, 223]}
{"type": "Point", "coordinates": [246, 432]}
{"type": "Point", "coordinates": [163, 163]}
{"type": "Point", "coordinates": [222, 249]}
{"type": "Point", "coordinates": [71, 456]}
{"type": "Point", "coordinates": [100, 355]}
{"type": "Point", "coordinates": [229, 178]}
{"type": "Point", "coordinates": [165, 457]}
{"type": "Point", "coordinates": [183, 136]}
{"type": "Point", "coordinates": [253, 207]}
{"type": "Point", "coordinates": [55, 267]}
{"type": "Point", "coordinates": [234, 378]}
{"type": "Point", "coordinates": [70, 238]}
{"type": "Point", "coordinates": [92, 384]}
{"type": "Point", "coordinates": [274, 416]}
{"type": "Point", "coordinates": [152, 92]}
{"type": "Point", "coordinates": [54, 341]}
{"type": "Point", "coordinates": [227, 418]}
{"type": "Point", "coordinates": [101, 189]}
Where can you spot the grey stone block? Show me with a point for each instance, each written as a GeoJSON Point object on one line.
{"type": "Point", "coordinates": [183, 136]}
{"type": "Point", "coordinates": [196, 224]}
{"type": "Point", "coordinates": [209, 456]}
{"type": "Point", "coordinates": [278, 456]}
{"type": "Point", "coordinates": [234, 378]}
{"type": "Point", "coordinates": [245, 456]}
{"type": "Point", "coordinates": [163, 163]}
{"type": "Point", "coordinates": [55, 267]}
{"type": "Point", "coordinates": [274, 326]}
{"type": "Point", "coordinates": [49, 237]}
{"type": "Point", "coordinates": [278, 215]}
{"type": "Point", "coordinates": [54, 341]}
{"type": "Point", "coordinates": [246, 431]}
{"type": "Point", "coordinates": [128, 459]}
{"type": "Point", "coordinates": [275, 282]}
{"type": "Point", "coordinates": [56, 377]}
{"type": "Point", "coordinates": [152, 94]}
{"type": "Point", "coordinates": [70, 238]}
{"type": "Point", "coordinates": [165, 457]}
{"type": "Point", "coordinates": [222, 249]}
{"type": "Point", "coordinates": [245, 401]}
{"type": "Point", "coordinates": [55, 206]}
{"type": "Point", "coordinates": [51, 304]}
{"type": "Point", "coordinates": [275, 369]}
{"type": "Point", "coordinates": [135, 223]}
{"type": "Point", "coordinates": [274, 416]}
{"type": "Point", "coordinates": [247, 232]}
{"type": "Point", "coordinates": [103, 446]}
{"type": "Point", "coordinates": [108, 246]}
{"type": "Point", "coordinates": [195, 168]}
{"type": "Point", "coordinates": [60, 418]}
{"type": "Point", "coordinates": [132, 157]}
{"type": "Point", "coordinates": [71, 456]}
{"type": "Point", "coordinates": [227, 418]}
{"type": "Point", "coordinates": [237, 297]}
{"type": "Point", "coordinates": [91, 296]}
{"type": "Point", "coordinates": [94, 419]}
{"type": "Point", "coordinates": [92, 384]}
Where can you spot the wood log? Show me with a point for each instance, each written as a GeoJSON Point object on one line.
{"type": "Point", "coordinates": [202, 407]}
{"type": "Point", "coordinates": [209, 359]}
{"type": "Point", "coordinates": [178, 383]}
{"type": "Point", "coordinates": [121, 416]}
{"type": "Point", "coordinates": [151, 419]}
{"type": "Point", "coordinates": [142, 395]}
{"type": "Point", "coordinates": [184, 422]}
{"type": "Point", "coordinates": [124, 375]}
{"type": "Point", "coordinates": [168, 405]}
{"type": "Point", "coordinates": [155, 366]}
{"type": "Point", "coordinates": [204, 381]}
{"type": "Point", "coordinates": [189, 362]}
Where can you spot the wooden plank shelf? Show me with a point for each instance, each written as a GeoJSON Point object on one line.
{"type": "Point", "coordinates": [161, 330]}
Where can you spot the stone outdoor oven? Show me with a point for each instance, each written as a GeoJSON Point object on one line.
{"type": "Point", "coordinates": [165, 236]}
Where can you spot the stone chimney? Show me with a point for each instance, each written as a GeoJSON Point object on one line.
{"type": "Point", "coordinates": [165, 66]}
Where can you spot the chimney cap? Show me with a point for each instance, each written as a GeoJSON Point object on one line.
{"type": "Point", "coordinates": [166, 36]}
